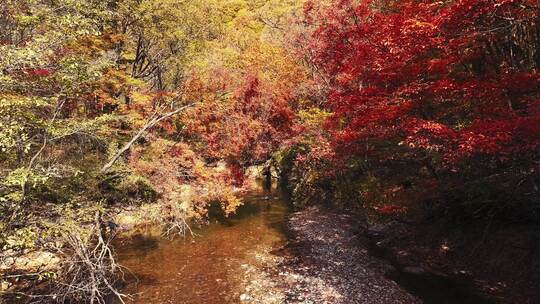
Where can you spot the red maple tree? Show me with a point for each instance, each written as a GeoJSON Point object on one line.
{"type": "Point", "coordinates": [456, 77]}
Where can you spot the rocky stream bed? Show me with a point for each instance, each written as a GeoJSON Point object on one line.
{"type": "Point", "coordinates": [325, 261]}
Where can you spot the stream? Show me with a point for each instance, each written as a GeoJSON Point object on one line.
{"type": "Point", "coordinates": [210, 267]}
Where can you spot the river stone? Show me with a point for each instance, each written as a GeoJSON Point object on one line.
{"type": "Point", "coordinates": [388, 269]}
{"type": "Point", "coordinates": [126, 221]}
{"type": "Point", "coordinates": [31, 262]}
{"type": "Point", "coordinates": [414, 270]}
{"type": "Point", "coordinates": [244, 297]}
{"type": "Point", "coordinates": [4, 286]}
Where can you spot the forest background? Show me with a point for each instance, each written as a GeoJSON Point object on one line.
{"type": "Point", "coordinates": [411, 110]}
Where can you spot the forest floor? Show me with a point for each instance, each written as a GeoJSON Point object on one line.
{"type": "Point", "coordinates": [325, 261]}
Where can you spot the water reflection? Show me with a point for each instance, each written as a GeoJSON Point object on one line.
{"type": "Point", "coordinates": [207, 268]}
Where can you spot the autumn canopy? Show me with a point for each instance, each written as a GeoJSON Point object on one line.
{"type": "Point", "coordinates": [375, 105]}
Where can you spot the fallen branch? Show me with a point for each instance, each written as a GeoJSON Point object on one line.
{"type": "Point", "coordinates": [154, 120]}
{"type": "Point", "coordinates": [91, 273]}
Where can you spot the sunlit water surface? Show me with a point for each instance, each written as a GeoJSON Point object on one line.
{"type": "Point", "coordinates": [207, 268]}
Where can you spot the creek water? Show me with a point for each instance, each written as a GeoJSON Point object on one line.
{"type": "Point", "coordinates": [207, 268]}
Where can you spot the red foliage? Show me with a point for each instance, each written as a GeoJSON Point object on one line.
{"type": "Point", "coordinates": [440, 76]}
{"type": "Point", "coordinates": [390, 210]}
{"type": "Point", "coordinates": [39, 72]}
{"type": "Point", "coordinates": [237, 174]}
{"type": "Point", "coordinates": [244, 126]}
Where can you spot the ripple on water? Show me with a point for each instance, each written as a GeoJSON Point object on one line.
{"type": "Point", "coordinates": [208, 268]}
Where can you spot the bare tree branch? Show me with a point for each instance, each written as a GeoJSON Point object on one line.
{"type": "Point", "coordinates": [155, 119]}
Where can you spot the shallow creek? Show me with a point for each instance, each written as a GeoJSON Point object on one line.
{"type": "Point", "coordinates": [209, 268]}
